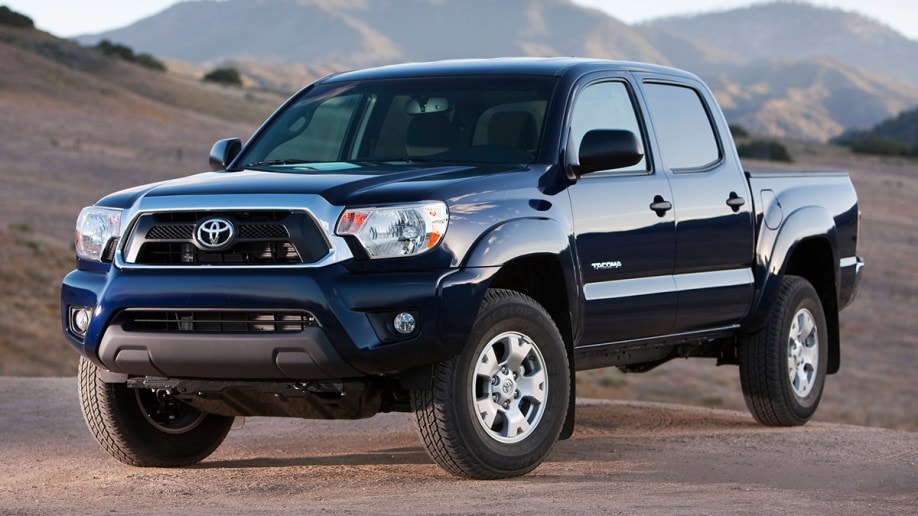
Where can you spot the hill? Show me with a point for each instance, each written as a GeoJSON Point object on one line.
{"type": "Point", "coordinates": [896, 136]}
{"type": "Point", "coordinates": [757, 59]}
{"type": "Point", "coordinates": [75, 125]}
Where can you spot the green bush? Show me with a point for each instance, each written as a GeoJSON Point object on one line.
{"type": "Point", "coordinates": [227, 75]}
{"type": "Point", "coordinates": [764, 150]}
{"type": "Point", "coordinates": [148, 61]}
{"type": "Point", "coordinates": [126, 53]}
{"type": "Point", "coordinates": [870, 144]}
{"type": "Point", "coordinates": [13, 19]}
{"type": "Point", "coordinates": [738, 131]}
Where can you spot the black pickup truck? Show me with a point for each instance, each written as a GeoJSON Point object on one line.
{"type": "Point", "coordinates": [456, 239]}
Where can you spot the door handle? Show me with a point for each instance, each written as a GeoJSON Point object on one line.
{"type": "Point", "coordinates": [660, 206]}
{"type": "Point", "coordinates": [735, 201]}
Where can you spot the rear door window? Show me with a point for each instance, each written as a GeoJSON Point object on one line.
{"type": "Point", "coordinates": [683, 127]}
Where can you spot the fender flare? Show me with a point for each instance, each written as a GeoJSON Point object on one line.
{"type": "Point", "coordinates": [774, 249]}
{"type": "Point", "coordinates": [772, 258]}
{"type": "Point", "coordinates": [517, 238]}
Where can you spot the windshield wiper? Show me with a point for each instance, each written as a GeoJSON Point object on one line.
{"type": "Point", "coordinates": [406, 159]}
{"type": "Point", "coordinates": [275, 162]}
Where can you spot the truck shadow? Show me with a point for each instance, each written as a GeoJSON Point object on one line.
{"type": "Point", "coordinates": [391, 456]}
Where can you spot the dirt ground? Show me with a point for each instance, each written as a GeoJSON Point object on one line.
{"type": "Point", "coordinates": [625, 457]}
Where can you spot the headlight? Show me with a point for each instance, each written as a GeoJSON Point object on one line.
{"type": "Point", "coordinates": [391, 231]}
{"type": "Point", "coordinates": [95, 229]}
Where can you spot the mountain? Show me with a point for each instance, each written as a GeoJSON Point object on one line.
{"type": "Point", "coordinates": [815, 99]}
{"type": "Point", "coordinates": [368, 32]}
{"type": "Point", "coordinates": [745, 54]}
{"type": "Point", "coordinates": [798, 31]}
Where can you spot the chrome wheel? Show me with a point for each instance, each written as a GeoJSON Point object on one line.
{"type": "Point", "coordinates": [488, 412]}
{"type": "Point", "coordinates": [783, 365]}
{"type": "Point", "coordinates": [802, 353]}
{"type": "Point", "coordinates": [509, 387]}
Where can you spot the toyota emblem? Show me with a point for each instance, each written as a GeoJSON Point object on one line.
{"type": "Point", "coordinates": [214, 233]}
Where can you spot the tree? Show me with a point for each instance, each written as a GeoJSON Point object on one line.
{"type": "Point", "coordinates": [11, 18]}
{"type": "Point", "coordinates": [765, 150]}
{"type": "Point", "coordinates": [738, 131]}
{"type": "Point", "coordinates": [226, 75]}
{"type": "Point", "coordinates": [126, 53]}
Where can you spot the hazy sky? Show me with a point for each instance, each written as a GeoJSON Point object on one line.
{"type": "Point", "coordinates": [71, 18]}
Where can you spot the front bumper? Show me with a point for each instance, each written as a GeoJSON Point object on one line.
{"type": "Point", "coordinates": [346, 340]}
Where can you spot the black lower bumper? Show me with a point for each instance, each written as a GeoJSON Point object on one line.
{"type": "Point", "coordinates": [304, 354]}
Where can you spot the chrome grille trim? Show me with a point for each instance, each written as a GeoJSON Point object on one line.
{"type": "Point", "coordinates": [324, 214]}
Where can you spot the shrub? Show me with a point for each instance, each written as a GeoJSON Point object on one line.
{"type": "Point", "coordinates": [738, 131]}
{"type": "Point", "coordinates": [148, 61]}
{"type": "Point", "coordinates": [13, 19]}
{"type": "Point", "coordinates": [126, 53]}
{"type": "Point", "coordinates": [765, 150]}
{"type": "Point", "coordinates": [227, 75]}
{"type": "Point", "coordinates": [870, 144]}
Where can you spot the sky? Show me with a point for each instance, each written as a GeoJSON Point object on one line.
{"type": "Point", "coordinates": [68, 18]}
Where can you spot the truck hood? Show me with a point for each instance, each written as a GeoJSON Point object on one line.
{"type": "Point", "coordinates": [338, 183]}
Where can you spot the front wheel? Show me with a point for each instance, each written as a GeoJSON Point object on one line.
{"type": "Point", "coordinates": [783, 366]}
{"type": "Point", "coordinates": [496, 409]}
{"type": "Point", "coordinates": [145, 427]}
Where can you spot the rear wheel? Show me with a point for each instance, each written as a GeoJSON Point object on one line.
{"type": "Point", "coordinates": [783, 366]}
{"type": "Point", "coordinates": [146, 427]}
{"type": "Point", "coordinates": [496, 410]}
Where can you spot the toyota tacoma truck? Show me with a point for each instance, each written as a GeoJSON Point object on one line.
{"type": "Point", "coordinates": [457, 240]}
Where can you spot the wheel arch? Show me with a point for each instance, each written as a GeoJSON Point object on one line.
{"type": "Point", "coordinates": [805, 245]}
{"type": "Point", "coordinates": [535, 258]}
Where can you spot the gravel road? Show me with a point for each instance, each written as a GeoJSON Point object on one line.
{"type": "Point", "coordinates": [624, 458]}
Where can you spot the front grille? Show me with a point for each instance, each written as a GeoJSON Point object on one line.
{"type": "Point", "coordinates": [261, 238]}
{"type": "Point", "coordinates": [215, 321]}
{"type": "Point", "coordinates": [251, 253]}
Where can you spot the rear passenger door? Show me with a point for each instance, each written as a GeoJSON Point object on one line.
{"type": "Point", "coordinates": [624, 248]}
{"type": "Point", "coordinates": [712, 205]}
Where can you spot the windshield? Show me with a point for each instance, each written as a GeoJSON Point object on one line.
{"type": "Point", "coordinates": [448, 119]}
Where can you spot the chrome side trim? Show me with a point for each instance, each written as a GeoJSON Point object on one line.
{"type": "Point", "coordinates": [850, 261]}
{"type": "Point", "coordinates": [628, 287]}
{"type": "Point", "coordinates": [617, 289]}
{"type": "Point", "coordinates": [714, 279]}
{"type": "Point", "coordinates": [326, 216]}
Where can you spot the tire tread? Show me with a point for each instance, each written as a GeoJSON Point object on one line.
{"type": "Point", "coordinates": [443, 440]}
{"type": "Point", "coordinates": [107, 424]}
{"type": "Point", "coordinates": [762, 368]}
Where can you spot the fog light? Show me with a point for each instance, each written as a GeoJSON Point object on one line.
{"type": "Point", "coordinates": [80, 317]}
{"type": "Point", "coordinates": [404, 323]}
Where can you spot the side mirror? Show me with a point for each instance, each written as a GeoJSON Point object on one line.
{"type": "Point", "coordinates": [224, 152]}
{"type": "Point", "coordinates": [607, 149]}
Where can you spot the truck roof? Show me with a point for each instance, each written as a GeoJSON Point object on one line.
{"type": "Point", "coordinates": [541, 66]}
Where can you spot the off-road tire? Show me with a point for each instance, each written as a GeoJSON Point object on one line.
{"type": "Point", "coordinates": [117, 419]}
{"type": "Point", "coordinates": [774, 392]}
{"type": "Point", "coordinates": [457, 434]}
